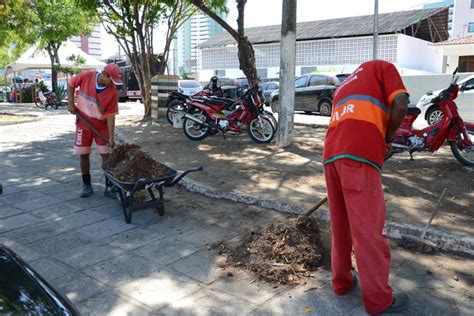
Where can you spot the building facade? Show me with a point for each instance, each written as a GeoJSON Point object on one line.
{"type": "Point", "coordinates": [323, 46]}
{"type": "Point", "coordinates": [194, 31]}
{"type": "Point", "coordinates": [463, 18]}
{"type": "Point", "coordinates": [91, 44]}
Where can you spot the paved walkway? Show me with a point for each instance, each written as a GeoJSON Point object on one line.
{"type": "Point", "coordinates": [164, 265]}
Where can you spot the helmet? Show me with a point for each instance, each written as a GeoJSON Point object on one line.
{"type": "Point", "coordinates": [214, 82]}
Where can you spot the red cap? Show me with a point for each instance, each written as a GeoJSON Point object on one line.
{"type": "Point", "coordinates": [114, 72]}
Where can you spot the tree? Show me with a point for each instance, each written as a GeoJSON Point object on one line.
{"type": "Point", "coordinates": [16, 20]}
{"type": "Point", "coordinates": [132, 24]}
{"type": "Point", "coordinates": [55, 22]}
{"type": "Point", "coordinates": [246, 52]}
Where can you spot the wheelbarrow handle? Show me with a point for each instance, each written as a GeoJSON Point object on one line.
{"type": "Point", "coordinates": [180, 176]}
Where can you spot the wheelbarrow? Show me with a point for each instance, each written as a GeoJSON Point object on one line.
{"type": "Point", "coordinates": [125, 191]}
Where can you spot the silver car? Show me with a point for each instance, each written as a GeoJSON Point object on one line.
{"type": "Point", "coordinates": [465, 103]}
{"type": "Point", "coordinates": [189, 87]}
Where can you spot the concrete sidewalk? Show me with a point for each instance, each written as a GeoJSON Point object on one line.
{"type": "Point", "coordinates": [165, 265]}
{"type": "Point", "coordinates": [292, 180]}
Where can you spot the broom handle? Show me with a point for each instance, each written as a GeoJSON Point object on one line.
{"type": "Point", "coordinates": [81, 117]}
{"type": "Point", "coordinates": [434, 213]}
{"type": "Point", "coordinates": [311, 211]}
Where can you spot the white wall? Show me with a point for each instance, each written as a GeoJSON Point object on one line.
{"type": "Point", "coordinates": [417, 54]}
{"type": "Point", "coordinates": [462, 16]}
{"type": "Point", "coordinates": [417, 86]}
{"type": "Point", "coordinates": [452, 63]}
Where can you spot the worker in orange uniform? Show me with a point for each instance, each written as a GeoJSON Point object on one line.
{"type": "Point", "coordinates": [98, 104]}
{"type": "Point", "coordinates": [368, 108]}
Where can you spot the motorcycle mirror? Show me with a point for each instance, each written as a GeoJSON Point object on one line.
{"type": "Point", "coordinates": [429, 93]}
{"type": "Point", "coordinates": [455, 71]}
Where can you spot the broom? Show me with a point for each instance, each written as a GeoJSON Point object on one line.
{"type": "Point", "coordinates": [419, 243]}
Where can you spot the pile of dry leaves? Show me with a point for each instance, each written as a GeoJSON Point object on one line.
{"type": "Point", "coordinates": [283, 253]}
{"type": "Point", "coordinates": [128, 164]}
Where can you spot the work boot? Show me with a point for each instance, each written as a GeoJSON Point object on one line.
{"type": "Point", "coordinates": [399, 304]}
{"type": "Point", "coordinates": [86, 190]}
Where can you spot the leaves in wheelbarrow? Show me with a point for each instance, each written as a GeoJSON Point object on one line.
{"type": "Point", "coordinates": [128, 163]}
{"type": "Point", "coordinates": [282, 253]}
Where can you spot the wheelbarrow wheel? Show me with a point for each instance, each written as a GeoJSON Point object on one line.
{"type": "Point", "coordinates": [127, 212]}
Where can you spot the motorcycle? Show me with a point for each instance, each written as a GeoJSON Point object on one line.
{"type": "Point", "coordinates": [210, 115]}
{"type": "Point", "coordinates": [451, 128]}
{"type": "Point", "coordinates": [178, 103]}
{"type": "Point", "coordinates": [43, 100]}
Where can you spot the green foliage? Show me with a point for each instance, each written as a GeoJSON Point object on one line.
{"type": "Point", "coordinates": [44, 88]}
{"type": "Point", "coordinates": [16, 21]}
{"type": "Point", "coordinates": [76, 68]}
{"type": "Point", "coordinates": [27, 95]}
{"type": "Point", "coordinates": [61, 93]}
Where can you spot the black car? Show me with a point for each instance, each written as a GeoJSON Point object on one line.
{"type": "Point", "coordinates": [24, 292]}
{"type": "Point", "coordinates": [313, 93]}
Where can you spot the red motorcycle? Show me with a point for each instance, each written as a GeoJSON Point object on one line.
{"type": "Point", "coordinates": [459, 134]}
{"type": "Point", "coordinates": [208, 115]}
{"type": "Point", "coordinates": [176, 102]}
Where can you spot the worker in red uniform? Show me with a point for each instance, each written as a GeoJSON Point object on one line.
{"type": "Point", "coordinates": [368, 108]}
{"type": "Point", "coordinates": [98, 103]}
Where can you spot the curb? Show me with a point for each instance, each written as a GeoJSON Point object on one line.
{"type": "Point", "coordinates": [444, 241]}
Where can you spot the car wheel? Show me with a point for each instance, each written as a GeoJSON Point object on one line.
{"type": "Point", "coordinates": [434, 115]}
{"type": "Point", "coordinates": [275, 106]}
{"type": "Point", "coordinates": [325, 108]}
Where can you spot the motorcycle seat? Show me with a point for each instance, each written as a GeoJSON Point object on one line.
{"type": "Point", "coordinates": [219, 101]}
{"type": "Point", "coordinates": [413, 111]}
{"type": "Point", "coordinates": [47, 93]}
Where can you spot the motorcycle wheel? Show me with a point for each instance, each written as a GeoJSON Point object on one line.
{"type": "Point", "coordinates": [463, 155]}
{"type": "Point", "coordinates": [272, 118]}
{"type": "Point", "coordinates": [172, 107]}
{"type": "Point", "coordinates": [194, 130]}
{"type": "Point", "coordinates": [39, 104]}
{"type": "Point", "coordinates": [261, 133]}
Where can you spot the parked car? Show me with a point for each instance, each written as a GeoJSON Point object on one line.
{"type": "Point", "coordinates": [24, 292]}
{"type": "Point", "coordinates": [465, 103]}
{"type": "Point", "coordinates": [189, 87]}
{"type": "Point", "coordinates": [242, 83]}
{"type": "Point", "coordinates": [313, 93]}
{"type": "Point", "coordinates": [268, 88]}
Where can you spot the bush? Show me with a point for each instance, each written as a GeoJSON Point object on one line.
{"type": "Point", "coordinates": [61, 93]}
{"type": "Point", "coordinates": [27, 95]}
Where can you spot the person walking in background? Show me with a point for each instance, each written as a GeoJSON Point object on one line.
{"type": "Point", "coordinates": [368, 108]}
{"type": "Point", "coordinates": [98, 104]}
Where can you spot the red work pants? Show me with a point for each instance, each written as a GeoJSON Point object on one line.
{"type": "Point", "coordinates": [357, 210]}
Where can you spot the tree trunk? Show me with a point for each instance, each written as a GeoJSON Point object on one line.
{"type": "Point", "coordinates": [247, 61]}
{"type": "Point", "coordinates": [54, 73]}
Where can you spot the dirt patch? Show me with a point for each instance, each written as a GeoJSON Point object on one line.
{"type": "Point", "coordinates": [128, 163]}
{"type": "Point", "coordinates": [282, 252]}
{"type": "Point", "coordinates": [9, 118]}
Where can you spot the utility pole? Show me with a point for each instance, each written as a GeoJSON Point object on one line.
{"type": "Point", "coordinates": [376, 30]}
{"type": "Point", "coordinates": [287, 74]}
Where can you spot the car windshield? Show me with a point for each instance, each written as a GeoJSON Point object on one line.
{"type": "Point", "coordinates": [189, 84]}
